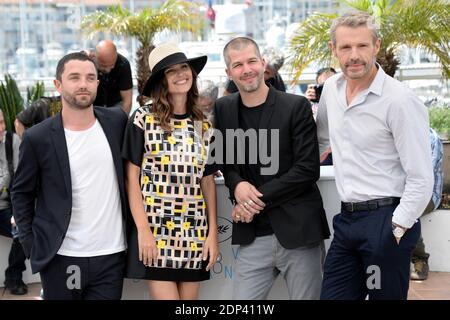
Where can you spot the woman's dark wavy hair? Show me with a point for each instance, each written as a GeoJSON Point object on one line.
{"type": "Point", "coordinates": [162, 107]}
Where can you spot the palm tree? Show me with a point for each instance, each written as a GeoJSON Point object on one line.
{"type": "Point", "coordinates": [421, 24]}
{"type": "Point", "coordinates": [173, 15]}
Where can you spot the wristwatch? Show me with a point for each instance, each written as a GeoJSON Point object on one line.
{"type": "Point", "coordinates": [398, 231]}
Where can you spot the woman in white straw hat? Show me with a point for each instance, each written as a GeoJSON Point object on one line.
{"type": "Point", "coordinates": [171, 190]}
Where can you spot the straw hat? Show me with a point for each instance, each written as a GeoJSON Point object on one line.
{"type": "Point", "coordinates": [164, 56]}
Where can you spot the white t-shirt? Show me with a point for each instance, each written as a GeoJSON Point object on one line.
{"type": "Point", "coordinates": [96, 225]}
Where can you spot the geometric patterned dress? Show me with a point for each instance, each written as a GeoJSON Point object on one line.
{"type": "Point", "coordinates": [172, 164]}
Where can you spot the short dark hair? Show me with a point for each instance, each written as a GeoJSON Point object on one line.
{"type": "Point", "coordinates": [81, 56]}
{"type": "Point", "coordinates": [323, 70]}
{"type": "Point", "coordinates": [238, 44]}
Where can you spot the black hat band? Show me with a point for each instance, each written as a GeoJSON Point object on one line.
{"type": "Point", "coordinates": [168, 61]}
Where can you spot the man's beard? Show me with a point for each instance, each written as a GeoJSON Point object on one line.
{"type": "Point", "coordinates": [367, 65]}
{"type": "Point", "coordinates": [79, 102]}
{"type": "Point", "coordinates": [253, 87]}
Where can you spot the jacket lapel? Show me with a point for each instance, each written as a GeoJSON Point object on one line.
{"type": "Point", "coordinates": [234, 112]}
{"type": "Point", "coordinates": [107, 127]}
{"type": "Point", "coordinates": [268, 110]}
{"type": "Point", "coordinates": [59, 141]}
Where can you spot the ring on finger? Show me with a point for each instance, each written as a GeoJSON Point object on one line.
{"type": "Point", "coordinates": [250, 202]}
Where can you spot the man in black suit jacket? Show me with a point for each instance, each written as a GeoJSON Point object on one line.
{"type": "Point", "coordinates": [68, 196]}
{"type": "Point", "coordinates": [279, 220]}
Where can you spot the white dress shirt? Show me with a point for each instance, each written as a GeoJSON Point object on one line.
{"type": "Point", "coordinates": [380, 144]}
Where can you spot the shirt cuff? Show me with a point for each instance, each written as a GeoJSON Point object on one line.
{"type": "Point", "coordinates": [403, 219]}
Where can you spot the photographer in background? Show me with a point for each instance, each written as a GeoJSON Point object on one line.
{"type": "Point", "coordinates": [314, 90]}
{"type": "Point", "coordinates": [313, 95]}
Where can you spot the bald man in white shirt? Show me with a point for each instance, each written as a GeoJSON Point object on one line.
{"type": "Point", "coordinates": [378, 131]}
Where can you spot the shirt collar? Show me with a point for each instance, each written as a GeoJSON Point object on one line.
{"type": "Point", "coordinates": [375, 87]}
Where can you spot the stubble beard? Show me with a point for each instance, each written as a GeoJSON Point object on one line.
{"type": "Point", "coordinates": [79, 103]}
{"type": "Point", "coordinates": [367, 67]}
{"type": "Point", "coordinates": [253, 87]}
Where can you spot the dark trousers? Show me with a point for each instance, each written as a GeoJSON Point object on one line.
{"type": "Point", "coordinates": [365, 259]}
{"type": "Point", "coordinates": [84, 278]}
{"type": "Point", "coordinates": [16, 258]}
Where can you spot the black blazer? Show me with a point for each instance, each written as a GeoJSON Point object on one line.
{"type": "Point", "coordinates": [293, 202]}
{"type": "Point", "coordinates": [42, 190]}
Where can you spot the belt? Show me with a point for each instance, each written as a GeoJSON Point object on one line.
{"type": "Point", "coordinates": [369, 205]}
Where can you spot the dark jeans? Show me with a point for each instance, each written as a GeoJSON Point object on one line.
{"type": "Point", "coordinates": [328, 161]}
{"type": "Point", "coordinates": [84, 278]}
{"type": "Point", "coordinates": [365, 259]}
{"type": "Point", "coordinates": [16, 259]}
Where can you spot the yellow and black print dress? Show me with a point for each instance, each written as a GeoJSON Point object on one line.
{"type": "Point", "coordinates": [172, 164]}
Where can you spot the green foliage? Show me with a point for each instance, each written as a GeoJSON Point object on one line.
{"type": "Point", "coordinates": [174, 15]}
{"type": "Point", "coordinates": [35, 92]}
{"type": "Point", "coordinates": [440, 119]}
{"type": "Point", "coordinates": [421, 24]}
{"type": "Point", "coordinates": [11, 102]}
{"type": "Point", "coordinates": [310, 43]}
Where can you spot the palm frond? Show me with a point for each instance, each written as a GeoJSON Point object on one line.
{"type": "Point", "coordinates": [35, 92]}
{"type": "Point", "coordinates": [420, 24]}
{"type": "Point", "coordinates": [362, 5]}
{"type": "Point", "coordinates": [173, 15]}
{"type": "Point", "coordinates": [415, 23]}
{"type": "Point", "coordinates": [310, 43]}
{"type": "Point", "coordinates": [114, 19]}
{"type": "Point", "coordinates": [11, 102]}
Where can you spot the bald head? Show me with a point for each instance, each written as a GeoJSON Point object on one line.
{"type": "Point", "coordinates": [106, 54]}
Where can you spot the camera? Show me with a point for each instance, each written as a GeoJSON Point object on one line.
{"type": "Point", "coordinates": [318, 89]}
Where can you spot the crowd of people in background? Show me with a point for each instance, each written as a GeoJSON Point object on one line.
{"type": "Point", "coordinates": [125, 193]}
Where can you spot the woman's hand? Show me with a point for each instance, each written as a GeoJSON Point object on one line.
{"type": "Point", "coordinates": [147, 247]}
{"type": "Point", "coordinates": [211, 249]}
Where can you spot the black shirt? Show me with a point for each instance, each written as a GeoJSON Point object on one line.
{"type": "Point", "coordinates": [249, 119]}
{"type": "Point", "coordinates": [118, 79]}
